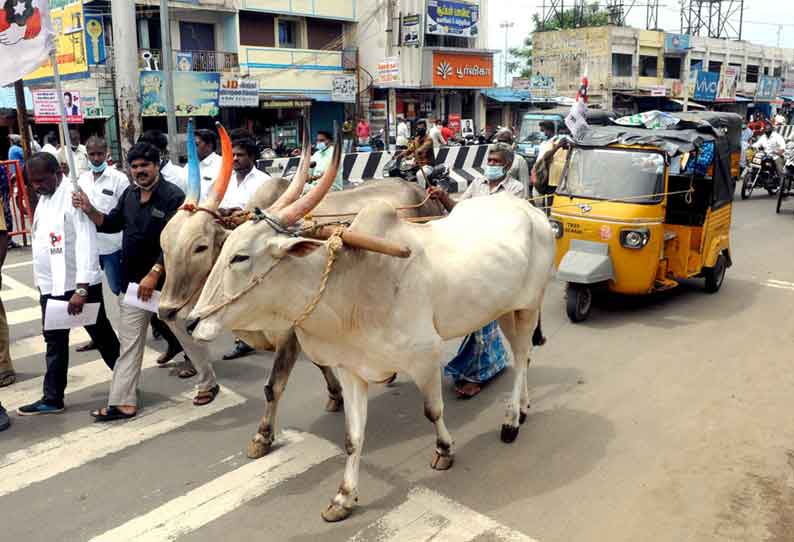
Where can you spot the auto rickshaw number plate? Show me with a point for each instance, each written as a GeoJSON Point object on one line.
{"type": "Point", "coordinates": [573, 227]}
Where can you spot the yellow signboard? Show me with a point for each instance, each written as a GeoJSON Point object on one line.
{"type": "Point", "coordinates": [70, 41]}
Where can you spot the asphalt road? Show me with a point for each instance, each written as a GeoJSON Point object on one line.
{"type": "Point", "coordinates": [662, 418]}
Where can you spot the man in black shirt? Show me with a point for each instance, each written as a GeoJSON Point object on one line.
{"type": "Point", "coordinates": [141, 213]}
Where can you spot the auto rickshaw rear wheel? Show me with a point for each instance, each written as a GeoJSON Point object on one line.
{"type": "Point", "coordinates": [578, 302]}
{"type": "Point", "coordinates": [715, 275]}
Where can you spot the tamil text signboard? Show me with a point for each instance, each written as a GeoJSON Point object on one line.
{"type": "Point", "coordinates": [343, 89]}
{"type": "Point", "coordinates": [543, 85]}
{"type": "Point", "coordinates": [45, 107]}
{"type": "Point", "coordinates": [389, 71]}
{"type": "Point", "coordinates": [238, 93]}
{"type": "Point", "coordinates": [462, 70]}
{"type": "Point", "coordinates": [453, 18]}
{"type": "Point", "coordinates": [195, 93]}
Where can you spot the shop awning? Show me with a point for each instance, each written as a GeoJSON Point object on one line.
{"type": "Point", "coordinates": [8, 98]}
{"type": "Point", "coordinates": [508, 95]}
{"type": "Point", "coordinates": [692, 105]}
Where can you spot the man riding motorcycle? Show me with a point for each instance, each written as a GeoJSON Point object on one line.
{"type": "Point", "coordinates": [773, 144]}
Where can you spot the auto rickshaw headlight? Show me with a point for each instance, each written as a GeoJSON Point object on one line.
{"type": "Point", "coordinates": [556, 227]}
{"type": "Point", "coordinates": [635, 239]}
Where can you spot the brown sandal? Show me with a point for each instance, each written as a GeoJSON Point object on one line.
{"type": "Point", "coordinates": [206, 397]}
{"type": "Point", "coordinates": [467, 390]}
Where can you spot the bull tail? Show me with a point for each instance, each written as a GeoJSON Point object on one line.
{"type": "Point", "coordinates": [537, 336]}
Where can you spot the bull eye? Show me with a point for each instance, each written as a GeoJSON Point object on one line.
{"type": "Point", "coordinates": [239, 258]}
{"type": "Point", "coordinates": [200, 249]}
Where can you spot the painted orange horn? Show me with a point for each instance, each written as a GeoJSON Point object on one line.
{"type": "Point", "coordinates": [296, 211]}
{"type": "Point", "coordinates": [218, 190]}
{"type": "Point", "coordinates": [295, 188]}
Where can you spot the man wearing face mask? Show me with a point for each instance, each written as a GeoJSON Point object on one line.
{"type": "Point", "coordinates": [482, 355]}
{"type": "Point", "coordinates": [322, 159]}
{"type": "Point", "coordinates": [141, 214]}
{"type": "Point", "coordinates": [520, 169]}
{"type": "Point", "coordinates": [773, 143]}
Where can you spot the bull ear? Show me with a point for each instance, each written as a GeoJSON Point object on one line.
{"type": "Point", "coordinates": [294, 246]}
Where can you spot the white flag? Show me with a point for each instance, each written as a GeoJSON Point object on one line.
{"type": "Point", "coordinates": [26, 38]}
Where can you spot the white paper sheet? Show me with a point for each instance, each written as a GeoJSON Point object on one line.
{"type": "Point", "coordinates": [58, 317]}
{"type": "Point", "coordinates": [131, 299]}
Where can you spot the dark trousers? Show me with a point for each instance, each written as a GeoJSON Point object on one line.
{"type": "Point", "coordinates": [57, 341]}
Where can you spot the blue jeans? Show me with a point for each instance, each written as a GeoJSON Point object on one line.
{"type": "Point", "coordinates": [111, 265]}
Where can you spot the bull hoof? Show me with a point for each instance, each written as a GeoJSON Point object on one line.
{"type": "Point", "coordinates": [335, 513]}
{"type": "Point", "coordinates": [334, 405]}
{"type": "Point", "coordinates": [522, 418]}
{"type": "Point", "coordinates": [509, 433]}
{"type": "Point", "coordinates": [442, 462]}
{"type": "Point", "coordinates": [258, 447]}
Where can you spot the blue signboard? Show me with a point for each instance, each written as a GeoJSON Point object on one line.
{"type": "Point", "coordinates": [450, 18]}
{"type": "Point", "coordinates": [707, 85]}
{"type": "Point", "coordinates": [676, 43]}
{"type": "Point", "coordinates": [95, 39]}
{"type": "Point", "coordinates": [195, 93]}
{"type": "Point", "coordinates": [768, 88]}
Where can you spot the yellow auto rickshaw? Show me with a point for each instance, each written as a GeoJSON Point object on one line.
{"type": "Point", "coordinates": [637, 210]}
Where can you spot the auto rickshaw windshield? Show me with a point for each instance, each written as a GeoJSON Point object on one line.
{"type": "Point", "coordinates": [530, 131]}
{"type": "Point", "coordinates": [614, 174]}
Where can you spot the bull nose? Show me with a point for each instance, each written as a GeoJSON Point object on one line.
{"type": "Point", "coordinates": [192, 324]}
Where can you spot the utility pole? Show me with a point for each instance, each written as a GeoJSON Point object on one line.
{"type": "Point", "coordinates": [166, 62]}
{"type": "Point", "coordinates": [125, 61]}
{"type": "Point", "coordinates": [506, 25]}
{"type": "Point", "coordinates": [22, 118]}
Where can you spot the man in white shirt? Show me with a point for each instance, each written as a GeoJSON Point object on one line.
{"type": "Point", "coordinates": [436, 135]}
{"type": "Point", "coordinates": [79, 153]}
{"type": "Point", "coordinates": [773, 143]}
{"type": "Point", "coordinates": [210, 164]}
{"type": "Point", "coordinates": [168, 170]}
{"type": "Point", "coordinates": [246, 178]}
{"type": "Point", "coordinates": [403, 135]}
{"type": "Point", "coordinates": [49, 144]}
{"type": "Point", "coordinates": [65, 268]}
{"type": "Point", "coordinates": [322, 159]}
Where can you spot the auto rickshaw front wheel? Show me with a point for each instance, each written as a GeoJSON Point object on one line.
{"type": "Point", "coordinates": [715, 275]}
{"type": "Point", "coordinates": [578, 302]}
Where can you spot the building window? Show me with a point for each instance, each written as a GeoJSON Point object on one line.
{"type": "Point", "coordinates": [752, 73]}
{"type": "Point", "coordinates": [766, 70]}
{"type": "Point", "coordinates": [738, 70]}
{"type": "Point", "coordinates": [715, 67]}
{"type": "Point", "coordinates": [648, 66]}
{"type": "Point", "coordinates": [777, 72]}
{"type": "Point", "coordinates": [257, 29]}
{"type": "Point", "coordinates": [672, 67]}
{"type": "Point", "coordinates": [197, 36]}
{"type": "Point", "coordinates": [621, 65]}
{"type": "Point", "coordinates": [288, 34]}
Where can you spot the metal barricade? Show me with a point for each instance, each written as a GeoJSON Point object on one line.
{"type": "Point", "coordinates": [16, 203]}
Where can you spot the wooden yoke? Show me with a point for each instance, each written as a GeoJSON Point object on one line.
{"type": "Point", "coordinates": [361, 241]}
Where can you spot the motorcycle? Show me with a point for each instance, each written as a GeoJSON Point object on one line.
{"type": "Point", "coordinates": [407, 170]}
{"type": "Point", "coordinates": [787, 184]}
{"type": "Point", "coordinates": [760, 172]}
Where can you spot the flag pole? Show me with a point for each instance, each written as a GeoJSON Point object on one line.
{"type": "Point", "coordinates": [64, 125]}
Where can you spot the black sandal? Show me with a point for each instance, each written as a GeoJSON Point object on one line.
{"type": "Point", "coordinates": [207, 396]}
{"type": "Point", "coordinates": [111, 413]}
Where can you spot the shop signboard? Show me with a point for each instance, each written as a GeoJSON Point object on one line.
{"type": "Point", "coordinates": [343, 89]}
{"type": "Point", "coordinates": [706, 86]}
{"type": "Point", "coordinates": [788, 88]}
{"type": "Point", "coordinates": [767, 89]}
{"type": "Point", "coordinates": [467, 128]}
{"type": "Point", "coordinates": [729, 81]}
{"type": "Point", "coordinates": [92, 107]}
{"type": "Point", "coordinates": [659, 91]}
{"type": "Point", "coordinates": [521, 83]}
{"type": "Point", "coordinates": [676, 43]}
{"type": "Point", "coordinates": [410, 29]}
{"type": "Point", "coordinates": [543, 85]}
{"type": "Point", "coordinates": [389, 71]}
{"type": "Point", "coordinates": [453, 18]}
{"type": "Point", "coordinates": [69, 43]}
{"type": "Point", "coordinates": [95, 40]}
{"type": "Point", "coordinates": [286, 104]}
{"type": "Point", "coordinates": [184, 61]}
{"type": "Point", "coordinates": [462, 70]}
{"type": "Point", "coordinates": [195, 93]}
{"type": "Point", "coordinates": [238, 92]}
{"type": "Point", "coordinates": [45, 107]}
{"type": "Point", "coordinates": [454, 122]}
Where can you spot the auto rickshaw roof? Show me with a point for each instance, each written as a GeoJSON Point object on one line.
{"type": "Point", "coordinates": [594, 116]}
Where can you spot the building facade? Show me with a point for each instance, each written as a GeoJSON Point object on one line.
{"type": "Point", "coordinates": [631, 69]}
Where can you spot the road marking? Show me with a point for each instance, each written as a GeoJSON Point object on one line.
{"type": "Point", "coordinates": [17, 286]}
{"type": "Point", "coordinates": [35, 345]}
{"type": "Point", "coordinates": [297, 453]}
{"type": "Point", "coordinates": [18, 264]}
{"type": "Point", "coordinates": [13, 293]}
{"type": "Point", "coordinates": [57, 455]}
{"type": "Point", "coordinates": [22, 316]}
{"type": "Point", "coordinates": [780, 284]}
{"type": "Point", "coordinates": [427, 515]}
{"type": "Point", "coordinates": [79, 378]}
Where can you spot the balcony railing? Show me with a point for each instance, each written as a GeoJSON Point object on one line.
{"type": "Point", "coordinates": [195, 61]}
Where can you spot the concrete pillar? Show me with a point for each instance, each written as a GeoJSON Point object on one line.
{"type": "Point", "coordinates": [479, 110]}
{"type": "Point", "coordinates": [125, 59]}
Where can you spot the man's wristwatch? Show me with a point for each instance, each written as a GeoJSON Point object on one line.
{"type": "Point", "coordinates": [157, 268]}
{"type": "Point", "coordinates": [82, 292]}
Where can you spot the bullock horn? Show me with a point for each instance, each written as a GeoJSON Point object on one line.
{"type": "Point", "coordinates": [193, 173]}
{"type": "Point", "coordinates": [295, 188]}
{"type": "Point", "coordinates": [297, 210]}
{"type": "Point", "coordinates": [215, 196]}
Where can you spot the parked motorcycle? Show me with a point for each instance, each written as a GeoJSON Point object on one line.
{"type": "Point", "coordinates": [760, 172]}
{"type": "Point", "coordinates": [787, 184]}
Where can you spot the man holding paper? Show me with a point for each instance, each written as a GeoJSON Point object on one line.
{"type": "Point", "coordinates": [66, 272]}
{"type": "Point", "coordinates": [141, 214]}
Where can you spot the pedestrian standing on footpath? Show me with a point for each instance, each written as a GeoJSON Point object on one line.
{"type": "Point", "coordinates": [104, 186]}
{"type": "Point", "coordinates": [7, 374]}
{"type": "Point", "coordinates": [482, 355]}
{"type": "Point", "coordinates": [65, 268]}
{"type": "Point", "coordinates": [210, 161]}
{"type": "Point", "coordinates": [362, 132]}
{"type": "Point", "coordinates": [141, 214]}
{"type": "Point", "coordinates": [347, 136]}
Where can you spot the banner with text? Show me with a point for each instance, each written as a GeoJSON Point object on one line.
{"type": "Point", "coordinates": [462, 70]}
{"type": "Point", "coordinates": [451, 18]}
{"type": "Point", "coordinates": [45, 107]}
{"type": "Point", "coordinates": [195, 93]}
{"type": "Point", "coordinates": [239, 93]}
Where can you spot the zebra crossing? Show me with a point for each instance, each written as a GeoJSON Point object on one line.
{"type": "Point", "coordinates": [68, 445]}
